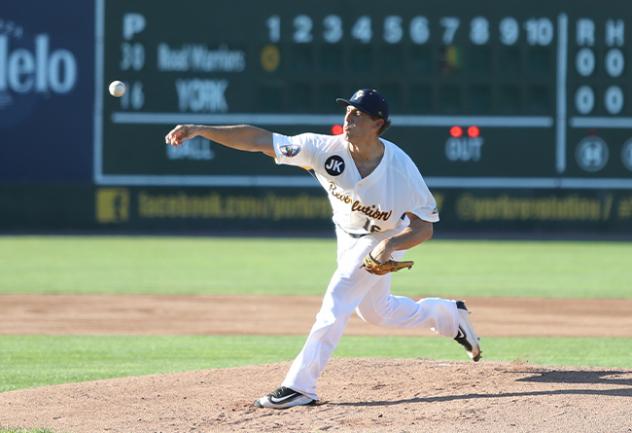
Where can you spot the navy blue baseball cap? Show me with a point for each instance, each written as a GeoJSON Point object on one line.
{"type": "Point", "coordinates": [368, 101]}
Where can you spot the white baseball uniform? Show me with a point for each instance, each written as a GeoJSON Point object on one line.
{"type": "Point", "coordinates": [365, 211]}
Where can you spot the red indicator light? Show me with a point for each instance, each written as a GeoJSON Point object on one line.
{"type": "Point", "coordinates": [456, 132]}
{"type": "Point", "coordinates": [473, 131]}
{"type": "Point", "coordinates": [336, 130]}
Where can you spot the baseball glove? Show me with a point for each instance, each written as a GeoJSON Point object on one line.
{"type": "Point", "coordinates": [377, 268]}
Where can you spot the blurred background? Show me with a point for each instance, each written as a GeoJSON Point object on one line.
{"type": "Point", "coordinates": [517, 114]}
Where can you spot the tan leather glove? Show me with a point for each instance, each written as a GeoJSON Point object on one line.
{"type": "Point", "coordinates": [377, 268]}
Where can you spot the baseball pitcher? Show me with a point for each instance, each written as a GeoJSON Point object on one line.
{"type": "Point", "coordinates": [381, 207]}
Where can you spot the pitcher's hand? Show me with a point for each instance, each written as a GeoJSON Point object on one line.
{"type": "Point", "coordinates": [180, 134]}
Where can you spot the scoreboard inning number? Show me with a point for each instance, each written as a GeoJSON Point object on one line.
{"type": "Point", "coordinates": [394, 28]}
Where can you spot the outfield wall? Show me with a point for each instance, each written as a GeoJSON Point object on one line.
{"type": "Point", "coordinates": [77, 207]}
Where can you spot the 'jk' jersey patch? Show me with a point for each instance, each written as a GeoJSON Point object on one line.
{"type": "Point", "coordinates": [335, 165]}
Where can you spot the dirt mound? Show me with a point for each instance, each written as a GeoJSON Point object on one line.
{"type": "Point", "coordinates": [359, 395]}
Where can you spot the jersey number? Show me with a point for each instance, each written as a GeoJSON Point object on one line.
{"type": "Point", "coordinates": [371, 228]}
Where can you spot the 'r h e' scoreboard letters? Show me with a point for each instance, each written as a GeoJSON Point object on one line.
{"type": "Point", "coordinates": [492, 94]}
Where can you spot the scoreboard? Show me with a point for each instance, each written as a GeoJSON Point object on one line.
{"type": "Point", "coordinates": [487, 94]}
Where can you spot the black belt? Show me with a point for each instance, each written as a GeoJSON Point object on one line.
{"type": "Point", "coordinates": [353, 235]}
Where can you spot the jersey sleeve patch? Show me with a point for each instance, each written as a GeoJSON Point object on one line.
{"type": "Point", "coordinates": [297, 150]}
{"type": "Point", "coordinates": [290, 150]}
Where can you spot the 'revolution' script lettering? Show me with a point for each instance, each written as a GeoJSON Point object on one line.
{"type": "Point", "coordinates": [371, 211]}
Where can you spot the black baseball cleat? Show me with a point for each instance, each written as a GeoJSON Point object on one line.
{"type": "Point", "coordinates": [466, 335]}
{"type": "Point", "coordinates": [283, 398]}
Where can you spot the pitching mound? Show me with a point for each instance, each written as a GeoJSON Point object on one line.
{"type": "Point", "coordinates": [359, 395]}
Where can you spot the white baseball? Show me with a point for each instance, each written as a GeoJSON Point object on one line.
{"type": "Point", "coordinates": [117, 88]}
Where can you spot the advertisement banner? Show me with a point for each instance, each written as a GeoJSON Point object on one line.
{"type": "Point", "coordinates": [46, 90]}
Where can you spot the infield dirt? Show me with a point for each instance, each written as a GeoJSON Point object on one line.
{"type": "Point", "coordinates": [287, 315]}
{"type": "Point", "coordinates": [359, 395]}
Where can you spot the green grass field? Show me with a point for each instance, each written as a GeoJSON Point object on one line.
{"type": "Point", "coordinates": [290, 267]}
{"type": "Point", "coordinates": [41, 360]}
{"type": "Point", "coordinates": [303, 267]}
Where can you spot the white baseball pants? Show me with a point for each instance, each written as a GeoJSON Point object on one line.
{"type": "Point", "coordinates": [353, 289]}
